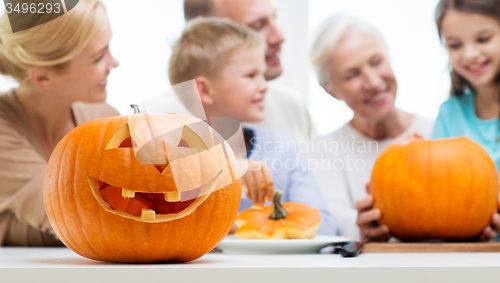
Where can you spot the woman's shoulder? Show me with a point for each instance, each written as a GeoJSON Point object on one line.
{"type": "Point", "coordinates": [10, 110]}
{"type": "Point", "coordinates": [84, 112]}
{"type": "Point", "coordinates": [6, 95]}
{"type": "Point", "coordinates": [334, 143]}
{"type": "Point", "coordinates": [345, 132]}
{"type": "Point", "coordinates": [7, 100]}
{"type": "Point", "coordinates": [14, 129]}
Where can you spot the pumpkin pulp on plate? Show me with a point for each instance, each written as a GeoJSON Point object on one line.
{"type": "Point", "coordinates": [290, 220]}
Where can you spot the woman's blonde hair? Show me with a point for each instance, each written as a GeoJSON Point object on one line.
{"type": "Point", "coordinates": [51, 44]}
{"type": "Point", "coordinates": [205, 45]}
{"type": "Point", "coordinates": [327, 38]}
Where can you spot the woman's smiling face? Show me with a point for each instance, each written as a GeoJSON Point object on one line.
{"type": "Point", "coordinates": [361, 75]}
{"type": "Point", "coordinates": [473, 44]}
{"type": "Point", "coordinates": [85, 76]}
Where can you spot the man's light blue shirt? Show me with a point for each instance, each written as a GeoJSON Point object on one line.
{"type": "Point", "coordinates": [282, 155]}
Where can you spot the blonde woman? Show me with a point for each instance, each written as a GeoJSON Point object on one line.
{"type": "Point", "coordinates": [62, 68]}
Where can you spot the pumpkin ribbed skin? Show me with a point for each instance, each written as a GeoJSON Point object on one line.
{"type": "Point", "coordinates": [90, 230]}
{"type": "Point", "coordinates": [444, 189]}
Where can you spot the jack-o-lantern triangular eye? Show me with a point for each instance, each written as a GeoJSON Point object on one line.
{"type": "Point", "coordinates": [191, 140]}
{"type": "Point", "coordinates": [123, 138]}
{"type": "Point", "coordinates": [128, 143]}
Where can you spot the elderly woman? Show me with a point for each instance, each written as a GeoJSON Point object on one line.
{"type": "Point", "coordinates": [352, 64]}
{"type": "Point", "coordinates": [61, 67]}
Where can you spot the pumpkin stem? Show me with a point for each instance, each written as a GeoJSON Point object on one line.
{"type": "Point", "coordinates": [136, 108]}
{"type": "Point", "coordinates": [279, 212]}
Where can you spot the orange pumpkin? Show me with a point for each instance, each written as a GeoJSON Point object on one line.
{"type": "Point", "coordinates": [444, 189]}
{"type": "Point", "coordinates": [142, 188]}
{"type": "Point", "coordinates": [290, 220]}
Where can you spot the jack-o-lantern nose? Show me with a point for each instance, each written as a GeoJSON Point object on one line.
{"type": "Point", "coordinates": [161, 168]}
{"type": "Point", "coordinates": [183, 143]}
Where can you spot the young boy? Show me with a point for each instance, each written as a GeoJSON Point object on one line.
{"type": "Point", "coordinates": [226, 61]}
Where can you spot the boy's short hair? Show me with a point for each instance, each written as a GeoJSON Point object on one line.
{"type": "Point", "coordinates": [205, 46]}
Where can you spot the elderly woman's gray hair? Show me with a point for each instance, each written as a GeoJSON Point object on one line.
{"type": "Point", "coordinates": [327, 38]}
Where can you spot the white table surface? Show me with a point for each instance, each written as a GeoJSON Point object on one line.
{"type": "Point", "coordinates": [62, 265]}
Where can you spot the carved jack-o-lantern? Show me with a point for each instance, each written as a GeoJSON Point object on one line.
{"type": "Point", "coordinates": [142, 188]}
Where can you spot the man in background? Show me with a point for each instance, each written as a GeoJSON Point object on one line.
{"type": "Point", "coordinates": [283, 110]}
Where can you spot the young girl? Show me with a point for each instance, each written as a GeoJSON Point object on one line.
{"type": "Point", "coordinates": [470, 30]}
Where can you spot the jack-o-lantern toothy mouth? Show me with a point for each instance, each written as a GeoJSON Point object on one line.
{"type": "Point", "coordinates": [140, 203]}
{"type": "Point", "coordinates": [154, 207]}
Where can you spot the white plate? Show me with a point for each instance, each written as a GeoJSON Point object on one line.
{"type": "Point", "coordinates": [233, 245]}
